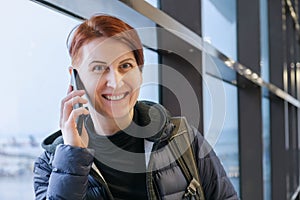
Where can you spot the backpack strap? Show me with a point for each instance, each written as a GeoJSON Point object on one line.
{"type": "Point", "coordinates": [181, 147]}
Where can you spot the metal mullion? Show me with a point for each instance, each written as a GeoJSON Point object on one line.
{"type": "Point", "coordinates": [278, 116]}
{"type": "Point", "coordinates": [250, 102]}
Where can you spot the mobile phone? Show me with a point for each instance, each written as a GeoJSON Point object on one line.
{"type": "Point", "coordinates": [77, 85]}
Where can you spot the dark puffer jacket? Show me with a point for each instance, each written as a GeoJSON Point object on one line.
{"type": "Point", "coordinates": [66, 172]}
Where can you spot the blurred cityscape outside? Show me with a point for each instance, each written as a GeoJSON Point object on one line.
{"type": "Point", "coordinates": [16, 166]}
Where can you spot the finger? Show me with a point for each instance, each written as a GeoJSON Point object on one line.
{"type": "Point", "coordinates": [70, 89]}
{"type": "Point", "coordinates": [68, 106]}
{"type": "Point", "coordinates": [69, 129]}
{"type": "Point", "coordinates": [71, 95]}
{"type": "Point", "coordinates": [70, 125]}
{"type": "Point", "coordinates": [75, 114]}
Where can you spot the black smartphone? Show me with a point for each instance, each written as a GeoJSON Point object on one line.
{"type": "Point", "coordinates": [77, 85]}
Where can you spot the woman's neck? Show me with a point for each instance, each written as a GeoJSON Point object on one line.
{"type": "Point", "coordinates": [109, 126]}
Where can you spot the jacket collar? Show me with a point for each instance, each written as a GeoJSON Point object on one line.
{"type": "Point", "coordinates": [50, 143]}
{"type": "Point", "coordinates": [154, 123]}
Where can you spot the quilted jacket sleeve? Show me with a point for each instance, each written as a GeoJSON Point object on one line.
{"type": "Point", "coordinates": [64, 175]}
{"type": "Point", "coordinates": [215, 183]}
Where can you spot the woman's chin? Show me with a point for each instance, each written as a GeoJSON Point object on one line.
{"type": "Point", "coordinates": [115, 113]}
{"type": "Point", "coordinates": [119, 114]}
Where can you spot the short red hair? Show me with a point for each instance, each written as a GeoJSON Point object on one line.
{"type": "Point", "coordinates": [106, 26]}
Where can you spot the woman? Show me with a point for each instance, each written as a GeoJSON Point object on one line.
{"type": "Point", "coordinates": [108, 158]}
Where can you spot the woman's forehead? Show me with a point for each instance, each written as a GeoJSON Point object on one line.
{"type": "Point", "coordinates": [106, 50]}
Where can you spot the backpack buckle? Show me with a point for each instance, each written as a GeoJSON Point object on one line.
{"type": "Point", "coordinates": [192, 188]}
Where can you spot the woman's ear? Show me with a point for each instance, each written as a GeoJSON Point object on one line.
{"type": "Point", "coordinates": [70, 69]}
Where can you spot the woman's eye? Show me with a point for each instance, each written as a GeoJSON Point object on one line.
{"type": "Point", "coordinates": [126, 66]}
{"type": "Point", "coordinates": [99, 68]}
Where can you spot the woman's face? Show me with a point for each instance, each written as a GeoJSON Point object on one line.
{"type": "Point", "coordinates": [111, 76]}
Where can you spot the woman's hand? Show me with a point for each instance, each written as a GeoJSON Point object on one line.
{"type": "Point", "coordinates": [68, 117]}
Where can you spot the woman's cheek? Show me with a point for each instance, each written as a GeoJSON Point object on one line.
{"type": "Point", "coordinates": [135, 78]}
{"type": "Point", "coordinates": [91, 90]}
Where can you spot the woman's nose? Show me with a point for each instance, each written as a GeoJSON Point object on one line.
{"type": "Point", "coordinates": [114, 79]}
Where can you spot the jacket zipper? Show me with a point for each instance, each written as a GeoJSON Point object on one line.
{"type": "Point", "coordinates": [98, 176]}
{"type": "Point", "coordinates": [153, 193]}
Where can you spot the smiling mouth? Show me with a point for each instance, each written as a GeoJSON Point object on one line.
{"type": "Point", "coordinates": [115, 97]}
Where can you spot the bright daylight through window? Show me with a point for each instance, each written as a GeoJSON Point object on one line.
{"type": "Point", "coordinates": [34, 79]}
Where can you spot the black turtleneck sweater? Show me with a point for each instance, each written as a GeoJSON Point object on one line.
{"type": "Point", "coordinates": [121, 160]}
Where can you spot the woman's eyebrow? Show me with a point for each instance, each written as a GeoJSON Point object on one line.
{"type": "Point", "coordinates": [127, 59]}
{"type": "Point", "coordinates": [98, 62]}
{"type": "Point", "coordinates": [105, 63]}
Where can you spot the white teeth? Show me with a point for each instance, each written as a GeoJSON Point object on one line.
{"type": "Point", "coordinates": [115, 98]}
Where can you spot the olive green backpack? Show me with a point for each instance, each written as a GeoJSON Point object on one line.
{"type": "Point", "coordinates": [180, 145]}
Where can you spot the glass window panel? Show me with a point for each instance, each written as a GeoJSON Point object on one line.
{"type": "Point", "coordinates": [265, 101]}
{"type": "Point", "coordinates": [225, 139]}
{"type": "Point", "coordinates": [91, 7]}
{"type": "Point", "coordinates": [150, 87]}
{"type": "Point", "coordinates": [266, 148]}
{"type": "Point", "coordinates": [220, 103]}
{"type": "Point", "coordinates": [219, 25]}
{"type": "Point", "coordinates": [154, 3]}
{"type": "Point", "coordinates": [34, 79]}
{"type": "Point", "coordinates": [264, 40]}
